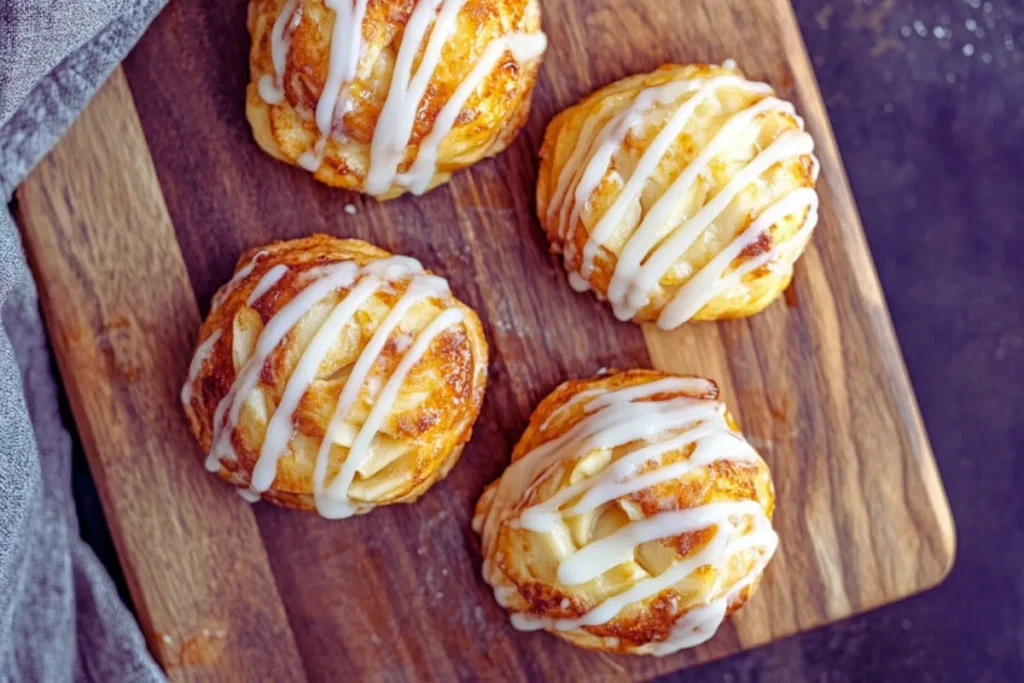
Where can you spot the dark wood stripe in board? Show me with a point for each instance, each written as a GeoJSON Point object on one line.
{"type": "Point", "coordinates": [122, 317]}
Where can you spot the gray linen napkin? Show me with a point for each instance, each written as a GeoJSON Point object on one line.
{"type": "Point", "coordinates": [60, 615]}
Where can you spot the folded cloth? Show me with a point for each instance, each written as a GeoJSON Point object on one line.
{"type": "Point", "coordinates": [60, 616]}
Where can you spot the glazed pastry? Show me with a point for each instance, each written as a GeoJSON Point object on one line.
{"type": "Point", "coordinates": [389, 96]}
{"type": "Point", "coordinates": [683, 194]}
{"type": "Point", "coordinates": [333, 376]}
{"type": "Point", "coordinates": [633, 518]}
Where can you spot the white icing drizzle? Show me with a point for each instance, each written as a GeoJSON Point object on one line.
{"type": "Point", "coordinates": [271, 88]}
{"type": "Point", "coordinates": [248, 495]}
{"type": "Point", "coordinates": [346, 49]}
{"type": "Point", "coordinates": [587, 177]}
{"type": "Point", "coordinates": [614, 419]}
{"type": "Point", "coordinates": [394, 128]}
{"type": "Point", "coordinates": [566, 407]}
{"type": "Point", "coordinates": [202, 353]}
{"type": "Point", "coordinates": [648, 255]}
{"type": "Point", "coordinates": [229, 409]}
{"type": "Point", "coordinates": [579, 283]}
{"type": "Point", "coordinates": [331, 498]}
{"type": "Point", "coordinates": [700, 623]}
{"type": "Point", "coordinates": [312, 158]}
{"type": "Point", "coordinates": [243, 272]}
{"type": "Point", "coordinates": [280, 427]}
{"type": "Point", "coordinates": [790, 143]}
{"type": "Point", "coordinates": [266, 283]}
{"type": "Point", "coordinates": [334, 502]}
{"type": "Point", "coordinates": [432, 21]}
{"type": "Point", "coordinates": [524, 47]}
{"type": "Point", "coordinates": [650, 159]}
{"type": "Point", "coordinates": [710, 281]}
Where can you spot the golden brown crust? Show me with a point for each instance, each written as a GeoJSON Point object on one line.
{"type": "Point", "coordinates": [421, 437]}
{"type": "Point", "coordinates": [756, 289]}
{"type": "Point", "coordinates": [521, 564]}
{"type": "Point", "coordinates": [487, 123]}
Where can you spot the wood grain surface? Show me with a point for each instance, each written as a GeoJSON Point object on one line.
{"type": "Point", "coordinates": [817, 381]}
{"type": "Point", "coordinates": [120, 311]}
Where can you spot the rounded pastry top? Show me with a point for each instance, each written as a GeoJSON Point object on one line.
{"type": "Point", "coordinates": [686, 193]}
{"type": "Point", "coordinates": [389, 96]}
{"type": "Point", "coordinates": [331, 375]}
{"type": "Point", "coordinates": [633, 517]}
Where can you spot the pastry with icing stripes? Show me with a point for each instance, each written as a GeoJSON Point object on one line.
{"type": "Point", "coordinates": [331, 375]}
{"type": "Point", "coordinates": [634, 516]}
{"type": "Point", "coordinates": [390, 96]}
{"type": "Point", "coordinates": [683, 194]}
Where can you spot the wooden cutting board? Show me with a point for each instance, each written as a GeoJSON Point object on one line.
{"type": "Point", "coordinates": [140, 214]}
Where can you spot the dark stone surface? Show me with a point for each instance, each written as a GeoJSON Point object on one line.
{"type": "Point", "coordinates": [931, 128]}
